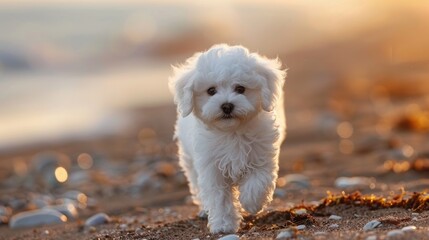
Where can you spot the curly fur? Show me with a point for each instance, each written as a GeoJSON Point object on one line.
{"type": "Point", "coordinates": [230, 163]}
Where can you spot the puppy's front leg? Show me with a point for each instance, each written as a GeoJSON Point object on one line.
{"type": "Point", "coordinates": [216, 195]}
{"type": "Point", "coordinates": [256, 190]}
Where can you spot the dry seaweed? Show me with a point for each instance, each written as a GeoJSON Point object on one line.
{"type": "Point", "coordinates": [418, 201]}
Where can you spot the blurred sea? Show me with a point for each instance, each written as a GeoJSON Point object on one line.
{"type": "Point", "coordinates": [72, 70]}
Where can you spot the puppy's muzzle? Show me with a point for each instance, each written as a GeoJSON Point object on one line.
{"type": "Point", "coordinates": [227, 108]}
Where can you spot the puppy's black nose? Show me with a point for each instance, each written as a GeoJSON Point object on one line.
{"type": "Point", "coordinates": [227, 108]}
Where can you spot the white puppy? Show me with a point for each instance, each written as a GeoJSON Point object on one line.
{"type": "Point", "coordinates": [230, 127]}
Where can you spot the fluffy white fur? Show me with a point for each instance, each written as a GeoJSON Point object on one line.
{"type": "Point", "coordinates": [231, 162]}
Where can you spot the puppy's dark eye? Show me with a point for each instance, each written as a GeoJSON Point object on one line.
{"type": "Point", "coordinates": [240, 89]}
{"type": "Point", "coordinates": [211, 91]}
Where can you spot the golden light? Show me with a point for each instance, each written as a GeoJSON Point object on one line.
{"type": "Point", "coordinates": [82, 198]}
{"type": "Point", "coordinates": [85, 161]}
{"type": "Point", "coordinates": [61, 174]}
{"type": "Point", "coordinates": [345, 130]}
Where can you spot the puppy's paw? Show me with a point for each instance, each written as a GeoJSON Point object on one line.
{"type": "Point", "coordinates": [254, 196]}
{"type": "Point", "coordinates": [250, 205]}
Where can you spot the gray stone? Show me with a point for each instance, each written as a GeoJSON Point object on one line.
{"type": "Point", "coordinates": [297, 180]}
{"type": "Point", "coordinates": [300, 211]}
{"type": "Point", "coordinates": [300, 227]}
{"type": "Point", "coordinates": [97, 219]}
{"type": "Point", "coordinates": [371, 225]}
{"type": "Point", "coordinates": [67, 209]}
{"type": "Point", "coordinates": [203, 214]}
{"type": "Point", "coordinates": [37, 218]}
{"type": "Point", "coordinates": [394, 233]}
{"type": "Point", "coordinates": [76, 196]}
{"type": "Point", "coordinates": [409, 228]}
{"type": "Point", "coordinates": [5, 211]}
{"type": "Point", "coordinates": [230, 237]}
{"type": "Point", "coordinates": [285, 234]}
{"type": "Point", "coordinates": [352, 182]}
{"type": "Point", "coordinates": [335, 217]}
{"type": "Point", "coordinates": [279, 193]}
{"type": "Point", "coordinates": [334, 226]}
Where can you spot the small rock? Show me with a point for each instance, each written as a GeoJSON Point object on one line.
{"type": "Point", "coordinates": [414, 214]}
{"type": "Point", "coordinates": [409, 228]}
{"type": "Point", "coordinates": [394, 233]}
{"type": "Point", "coordinates": [298, 180]}
{"type": "Point", "coordinates": [320, 233]}
{"type": "Point", "coordinates": [279, 193]}
{"type": "Point", "coordinates": [300, 227]}
{"type": "Point", "coordinates": [39, 203]}
{"type": "Point", "coordinates": [5, 211]}
{"type": "Point", "coordinates": [334, 226]}
{"type": "Point", "coordinates": [67, 209]}
{"type": "Point", "coordinates": [97, 219]}
{"type": "Point", "coordinates": [92, 229]}
{"type": "Point", "coordinates": [300, 211]}
{"type": "Point", "coordinates": [373, 237]}
{"type": "Point", "coordinates": [46, 232]}
{"type": "Point", "coordinates": [371, 225]}
{"type": "Point", "coordinates": [76, 196]}
{"type": "Point", "coordinates": [352, 182]}
{"type": "Point", "coordinates": [36, 218]}
{"type": "Point", "coordinates": [286, 234]}
{"type": "Point", "coordinates": [335, 217]}
{"type": "Point", "coordinates": [17, 204]}
{"type": "Point", "coordinates": [230, 237]}
{"type": "Point", "coordinates": [414, 219]}
{"type": "Point", "coordinates": [139, 231]}
{"type": "Point", "coordinates": [203, 214]}
{"type": "Point", "coordinates": [123, 226]}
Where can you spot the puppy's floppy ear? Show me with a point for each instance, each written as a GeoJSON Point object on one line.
{"type": "Point", "coordinates": [181, 84]}
{"type": "Point", "coordinates": [272, 82]}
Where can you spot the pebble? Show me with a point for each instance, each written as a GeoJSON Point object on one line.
{"type": "Point", "coordinates": [230, 237]}
{"type": "Point", "coordinates": [5, 211]}
{"type": "Point", "coordinates": [333, 226]}
{"type": "Point", "coordinates": [335, 217]}
{"type": "Point", "coordinates": [76, 195]}
{"type": "Point", "coordinates": [97, 219]}
{"type": "Point", "coordinates": [371, 225]}
{"type": "Point", "coordinates": [203, 214]}
{"type": "Point", "coordinates": [320, 233]}
{"type": "Point", "coordinates": [414, 214]}
{"type": "Point", "coordinates": [139, 231]}
{"type": "Point", "coordinates": [373, 237]}
{"type": "Point", "coordinates": [300, 211]}
{"type": "Point", "coordinates": [394, 233]}
{"type": "Point", "coordinates": [36, 218]}
{"type": "Point", "coordinates": [67, 209]}
{"type": "Point", "coordinates": [279, 193]}
{"type": "Point", "coordinates": [352, 182]}
{"type": "Point", "coordinates": [300, 227]}
{"type": "Point", "coordinates": [298, 180]}
{"type": "Point", "coordinates": [286, 234]}
{"type": "Point", "coordinates": [409, 228]}
{"type": "Point", "coordinates": [142, 180]}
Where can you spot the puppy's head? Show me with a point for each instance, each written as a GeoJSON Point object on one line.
{"type": "Point", "coordinates": [226, 85]}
